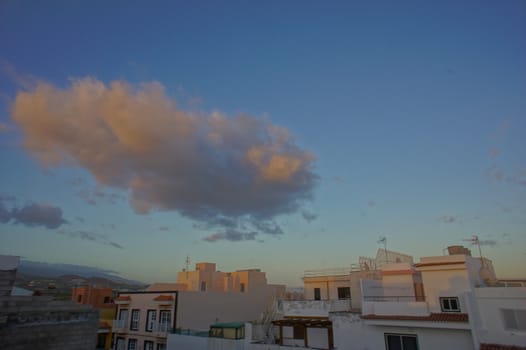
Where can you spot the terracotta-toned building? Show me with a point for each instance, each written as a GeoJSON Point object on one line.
{"type": "Point", "coordinates": [100, 298]}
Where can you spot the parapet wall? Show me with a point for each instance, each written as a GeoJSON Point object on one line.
{"type": "Point", "coordinates": [39, 323]}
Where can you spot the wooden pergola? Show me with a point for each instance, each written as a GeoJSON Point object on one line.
{"type": "Point", "coordinates": [300, 325]}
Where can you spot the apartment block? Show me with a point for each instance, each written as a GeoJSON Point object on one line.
{"type": "Point", "coordinates": [197, 300]}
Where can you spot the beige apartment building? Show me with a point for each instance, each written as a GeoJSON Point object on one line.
{"type": "Point", "coordinates": [197, 300]}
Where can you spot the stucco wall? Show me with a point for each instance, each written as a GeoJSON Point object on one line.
{"type": "Point", "coordinates": [445, 283]}
{"type": "Point", "coordinates": [350, 332]}
{"type": "Point", "coordinates": [491, 302]}
{"type": "Point", "coordinates": [198, 310]}
{"type": "Point", "coordinates": [328, 286]}
{"type": "Point", "coordinates": [38, 323]}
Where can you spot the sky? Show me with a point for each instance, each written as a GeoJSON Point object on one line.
{"type": "Point", "coordinates": [281, 135]}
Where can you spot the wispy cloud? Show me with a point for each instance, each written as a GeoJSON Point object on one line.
{"type": "Point", "coordinates": [309, 216]}
{"type": "Point", "coordinates": [90, 236]}
{"type": "Point", "coordinates": [488, 242]}
{"type": "Point", "coordinates": [3, 127]}
{"type": "Point", "coordinates": [450, 219]}
{"type": "Point", "coordinates": [163, 228]}
{"type": "Point", "coordinates": [135, 138]}
{"type": "Point", "coordinates": [32, 214]}
{"type": "Point", "coordinates": [232, 236]}
{"type": "Point", "coordinates": [96, 195]}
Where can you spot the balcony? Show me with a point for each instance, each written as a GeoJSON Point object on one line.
{"type": "Point", "coordinates": [161, 330]}
{"type": "Point", "coordinates": [120, 326]}
{"type": "Point", "coordinates": [313, 308]}
{"type": "Point", "coordinates": [392, 305]}
{"type": "Point", "coordinates": [122, 300]}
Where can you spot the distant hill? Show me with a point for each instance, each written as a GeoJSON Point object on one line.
{"type": "Point", "coordinates": [66, 272]}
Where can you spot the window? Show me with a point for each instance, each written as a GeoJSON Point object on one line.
{"type": "Point", "coordinates": [151, 316]}
{"type": "Point", "coordinates": [203, 286]}
{"type": "Point", "coordinates": [401, 342]}
{"type": "Point", "coordinates": [107, 300]}
{"type": "Point", "coordinates": [344, 293]}
{"type": "Point", "coordinates": [135, 316]}
{"type": "Point", "coordinates": [161, 346]}
{"type": "Point", "coordinates": [123, 315]}
{"type": "Point", "coordinates": [79, 298]}
{"type": "Point", "coordinates": [449, 304]}
{"type": "Point", "coordinates": [242, 287]}
{"type": "Point", "coordinates": [299, 332]}
{"type": "Point", "coordinates": [317, 294]}
{"type": "Point", "coordinates": [165, 318]}
{"type": "Point", "coordinates": [132, 343]}
{"type": "Point", "coordinates": [148, 345]}
{"type": "Point", "coordinates": [514, 319]}
{"type": "Point", "coordinates": [120, 344]}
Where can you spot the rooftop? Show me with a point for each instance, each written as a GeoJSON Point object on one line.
{"type": "Point", "coordinates": [433, 317]}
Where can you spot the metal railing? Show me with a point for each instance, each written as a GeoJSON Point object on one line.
{"type": "Point", "coordinates": [120, 324]}
{"type": "Point", "coordinates": [162, 329]}
{"type": "Point", "coordinates": [339, 271]}
{"type": "Point", "coordinates": [399, 298]}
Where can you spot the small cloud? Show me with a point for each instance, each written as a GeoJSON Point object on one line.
{"type": "Point", "coordinates": [519, 178]}
{"type": "Point", "coordinates": [115, 245]}
{"type": "Point", "coordinates": [232, 236]}
{"type": "Point", "coordinates": [77, 181]}
{"type": "Point", "coordinates": [92, 197]}
{"type": "Point", "coordinates": [338, 179]}
{"type": "Point", "coordinates": [164, 228]}
{"type": "Point", "coordinates": [449, 219]}
{"type": "Point", "coordinates": [5, 214]}
{"type": "Point", "coordinates": [33, 214]}
{"type": "Point", "coordinates": [504, 208]}
{"type": "Point", "coordinates": [371, 204]}
{"type": "Point", "coordinates": [90, 236]}
{"type": "Point", "coordinates": [309, 216]}
{"type": "Point", "coordinates": [488, 242]}
{"type": "Point", "coordinates": [3, 128]}
{"type": "Point", "coordinates": [269, 227]}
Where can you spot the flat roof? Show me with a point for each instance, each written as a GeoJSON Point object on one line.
{"type": "Point", "coordinates": [228, 325]}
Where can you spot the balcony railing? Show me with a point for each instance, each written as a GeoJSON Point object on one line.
{"type": "Point", "coordinates": [120, 325]}
{"type": "Point", "coordinates": [341, 271]}
{"type": "Point", "coordinates": [400, 298]}
{"type": "Point", "coordinates": [162, 329]}
{"type": "Point", "coordinates": [313, 307]}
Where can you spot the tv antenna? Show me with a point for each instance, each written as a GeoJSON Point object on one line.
{"type": "Point", "coordinates": [475, 240]}
{"type": "Point", "coordinates": [187, 263]}
{"type": "Point", "coordinates": [383, 240]}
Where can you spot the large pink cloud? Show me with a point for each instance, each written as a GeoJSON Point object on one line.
{"type": "Point", "coordinates": [205, 166]}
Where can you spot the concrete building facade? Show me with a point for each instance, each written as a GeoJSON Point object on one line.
{"type": "Point", "coordinates": [41, 323]}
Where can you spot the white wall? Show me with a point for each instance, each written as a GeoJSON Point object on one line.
{"type": "Point", "coordinates": [328, 286]}
{"type": "Point", "coordinates": [351, 332]}
{"type": "Point", "coordinates": [445, 283]}
{"type": "Point", "coordinates": [318, 338]}
{"type": "Point", "coordinates": [199, 310]}
{"type": "Point", "coordinates": [491, 302]}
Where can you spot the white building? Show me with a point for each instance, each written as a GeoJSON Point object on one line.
{"type": "Point", "coordinates": [442, 302]}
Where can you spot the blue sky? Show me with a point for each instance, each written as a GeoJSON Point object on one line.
{"type": "Point", "coordinates": [291, 135]}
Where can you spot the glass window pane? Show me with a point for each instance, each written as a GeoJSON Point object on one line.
{"type": "Point", "coordinates": [393, 342]}
{"type": "Point", "coordinates": [409, 343]}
